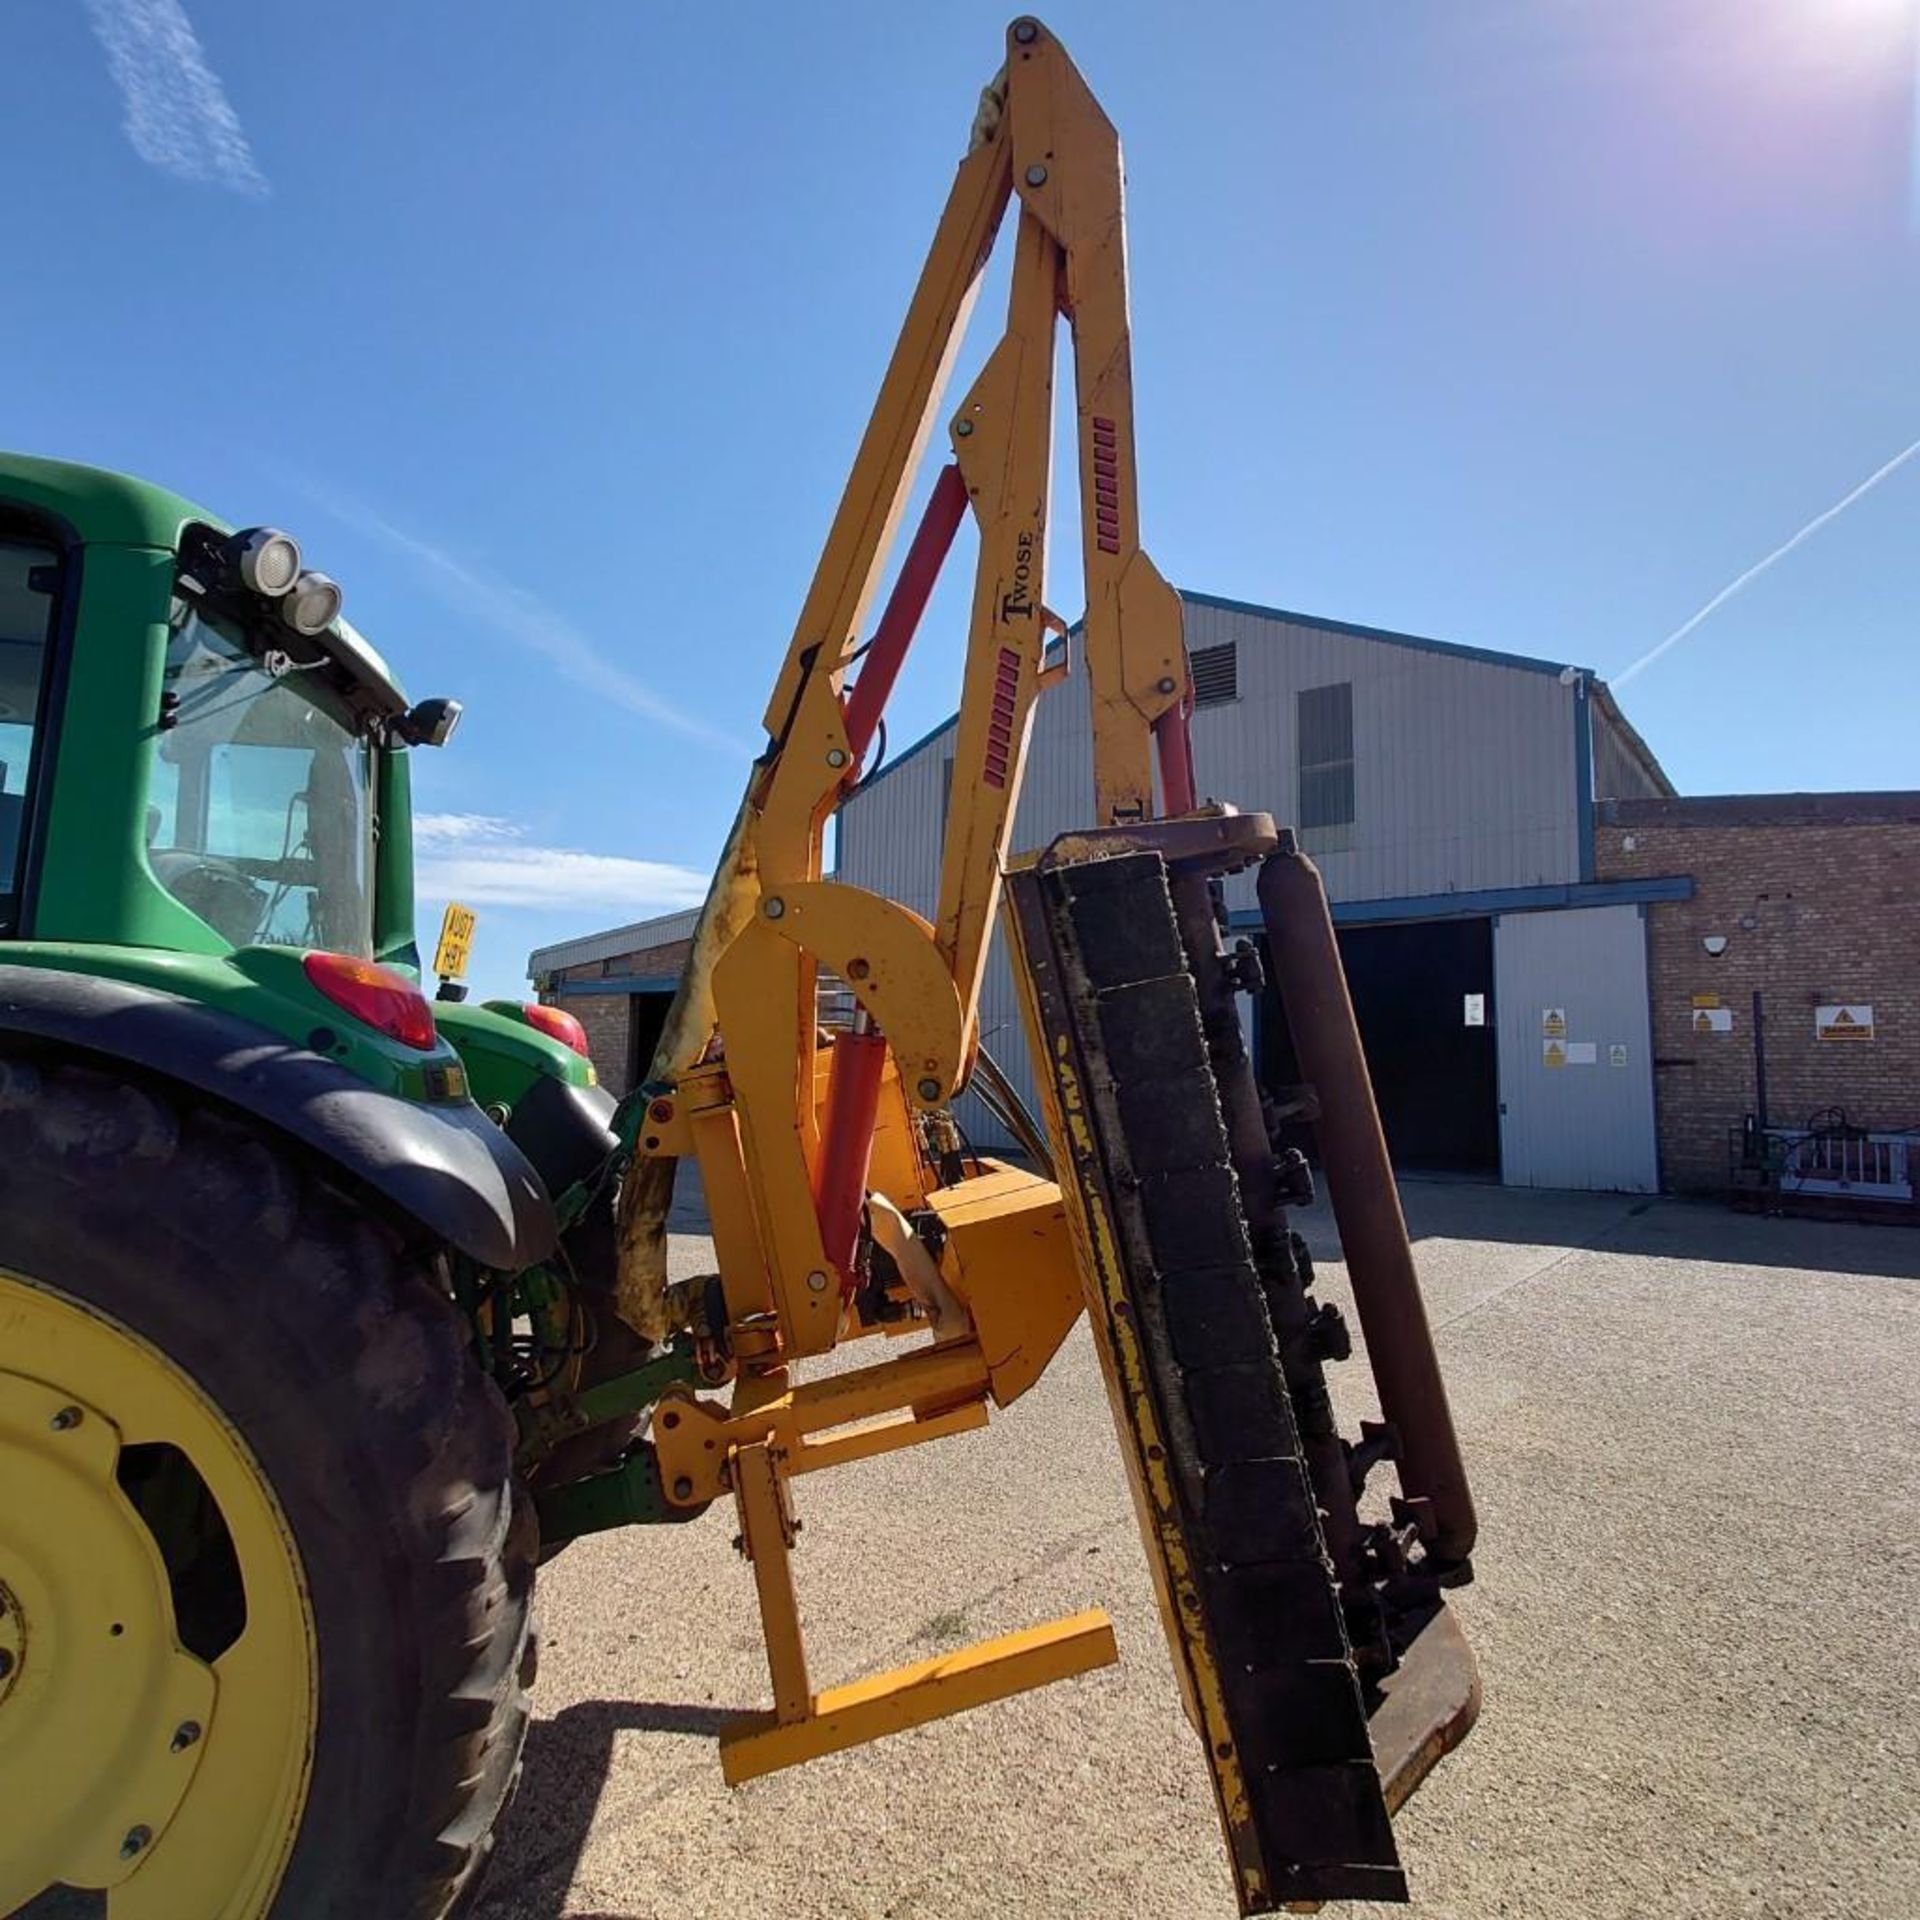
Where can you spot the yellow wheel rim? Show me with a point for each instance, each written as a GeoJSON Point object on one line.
{"type": "Point", "coordinates": [126, 1762]}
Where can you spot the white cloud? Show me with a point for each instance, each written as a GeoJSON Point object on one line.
{"type": "Point", "coordinates": [484, 861]}
{"type": "Point", "coordinates": [438, 828]}
{"type": "Point", "coordinates": [523, 617]}
{"type": "Point", "coordinates": [178, 117]}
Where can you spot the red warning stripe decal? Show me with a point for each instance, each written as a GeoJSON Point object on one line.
{"type": "Point", "coordinates": [1006, 690]}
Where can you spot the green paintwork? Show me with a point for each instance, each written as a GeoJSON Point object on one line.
{"type": "Point", "coordinates": [393, 940]}
{"type": "Point", "coordinates": [629, 1495]}
{"type": "Point", "coordinates": [263, 984]}
{"type": "Point", "coordinates": [635, 1391]}
{"type": "Point", "coordinates": [547, 1422]}
{"type": "Point", "coordinates": [97, 505]}
{"type": "Point", "coordinates": [504, 1055]}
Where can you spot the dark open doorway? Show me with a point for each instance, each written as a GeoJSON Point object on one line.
{"type": "Point", "coordinates": [1434, 1075]}
{"type": "Point", "coordinates": [646, 1016]}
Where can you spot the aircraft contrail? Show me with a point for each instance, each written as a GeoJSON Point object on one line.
{"type": "Point", "coordinates": [1759, 567]}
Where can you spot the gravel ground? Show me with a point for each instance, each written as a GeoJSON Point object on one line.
{"type": "Point", "coordinates": [1694, 1440]}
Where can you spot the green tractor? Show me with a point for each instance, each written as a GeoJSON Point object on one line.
{"type": "Point", "coordinates": [288, 1254]}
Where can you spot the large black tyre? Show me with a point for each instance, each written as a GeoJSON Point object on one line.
{"type": "Point", "coordinates": [322, 1336]}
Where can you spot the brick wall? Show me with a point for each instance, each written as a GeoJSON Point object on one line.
{"type": "Point", "coordinates": [608, 1017]}
{"type": "Point", "coordinates": [1818, 897]}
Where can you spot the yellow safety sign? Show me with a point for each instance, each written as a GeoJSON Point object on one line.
{"type": "Point", "coordinates": [1553, 1053]}
{"type": "Point", "coordinates": [1843, 1023]}
{"type": "Point", "coordinates": [456, 942]}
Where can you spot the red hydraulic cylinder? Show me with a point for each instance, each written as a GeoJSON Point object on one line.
{"type": "Point", "coordinates": [946, 506]}
{"type": "Point", "coordinates": [1173, 732]}
{"type": "Point", "coordinates": [846, 1143]}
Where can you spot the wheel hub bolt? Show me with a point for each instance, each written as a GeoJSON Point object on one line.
{"type": "Point", "coordinates": [135, 1842]}
{"type": "Point", "coordinates": [66, 1420]}
{"type": "Point", "coordinates": [184, 1735]}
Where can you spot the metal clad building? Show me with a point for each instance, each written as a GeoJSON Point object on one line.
{"type": "Point", "coordinates": [1447, 794]}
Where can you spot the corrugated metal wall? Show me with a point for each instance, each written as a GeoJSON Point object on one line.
{"type": "Point", "coordinates": [1463, 779]}
{"type": "Point", "coordinates": [1618, 772]}
{"type": "Point", "coordinates": [1463, 770]}
{"type": "Point", "coordinates": [889, 833]}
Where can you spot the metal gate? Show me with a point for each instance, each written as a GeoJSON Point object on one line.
{"type": "Point", "coordinates": [1576, 1065]}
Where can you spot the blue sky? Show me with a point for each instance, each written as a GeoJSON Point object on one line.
{"type": "Point", "coordinates": [550, 332]}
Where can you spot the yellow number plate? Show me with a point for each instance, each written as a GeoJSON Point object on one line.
{"type": "Point", "coordinates": [456, 942]}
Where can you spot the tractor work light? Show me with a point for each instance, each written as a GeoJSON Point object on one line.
{"type": "Point", "coordinates": [311, 605]}
{"type": "Point", "coordinates": [428, 723]}
{"type": "Point", "coordinates": [377, 996]}
{"type": "Point", "coordinates": [557, 1024]}
{"type": "Point", "coordinates": [264, 560]}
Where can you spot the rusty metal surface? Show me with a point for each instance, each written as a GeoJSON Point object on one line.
{"type": "Point", "coordinates": [1429, 1704]}
{"type": "Point", "coordinates": [1366, 1204]}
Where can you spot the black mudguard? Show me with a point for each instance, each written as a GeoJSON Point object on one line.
{"type": "Point", "coordinates": [447, 1167]}
{"type": "Point", "coordinates": [565, 1131]}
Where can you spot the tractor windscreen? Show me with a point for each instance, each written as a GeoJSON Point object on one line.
{"type": "Point", "coordinates": [260, 815]}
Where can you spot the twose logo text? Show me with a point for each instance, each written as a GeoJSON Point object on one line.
{"type": "Point", "coordinates": [1017, 603]}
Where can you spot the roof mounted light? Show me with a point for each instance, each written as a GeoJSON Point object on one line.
{"type": "Point", "coordinates": [428, 723]}
{"type": "Point", "coordinates": [311, 605]}
{"type": "Point", "coordinates": [265, 560]}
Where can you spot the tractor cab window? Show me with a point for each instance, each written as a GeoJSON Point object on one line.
{"type": "Point", "coordinates": [28, 571]}
{"type": "Point", "coordinates": [260, 813]}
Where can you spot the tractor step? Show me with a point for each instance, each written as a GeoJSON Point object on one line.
{"type": "Point", "coordinates": [1181, 1296]}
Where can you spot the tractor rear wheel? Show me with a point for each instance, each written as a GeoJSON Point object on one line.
{"type": "Point", "coordinates": [265, 1573]}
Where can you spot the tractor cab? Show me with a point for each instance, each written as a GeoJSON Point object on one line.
{"type": "Point", "coordinates": [206, 820]}
{"type": "Point", "coordinates": [196, 750]}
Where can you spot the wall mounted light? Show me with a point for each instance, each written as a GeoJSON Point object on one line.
{"type": "Point", "coordinates": [1715, 944]}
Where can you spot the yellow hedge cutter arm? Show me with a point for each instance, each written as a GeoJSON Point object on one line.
{"type": "Point", "coordinates": [844, 1202]}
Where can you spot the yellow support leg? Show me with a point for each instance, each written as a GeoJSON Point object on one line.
{"type": "Point", "coordinates": [766, 1535]}
{"type": "Point", "coordinates": [804, 1724]}
{"type": "Point", "coordinates": [758, 1743]}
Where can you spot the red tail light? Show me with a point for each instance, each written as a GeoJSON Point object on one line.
{"type": "Point", "coordinates": [557, 1025]}
{"type": "Point", "coordinates": [386, 1001]}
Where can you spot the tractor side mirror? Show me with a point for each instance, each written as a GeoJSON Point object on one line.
{"type": "Point", "coordinates": [428, 723]}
